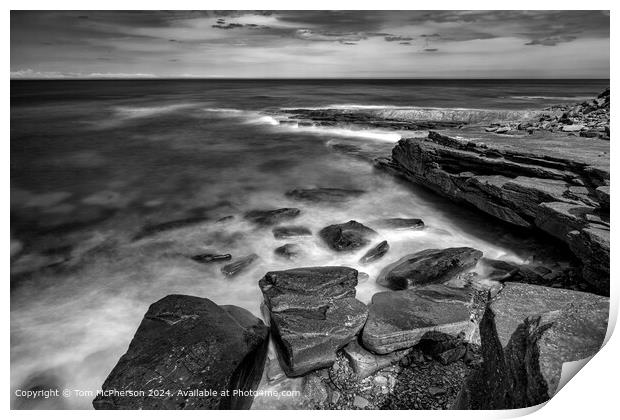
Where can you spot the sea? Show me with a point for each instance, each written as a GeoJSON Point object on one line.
{"type": "Point", "coordinates": [115, 184]}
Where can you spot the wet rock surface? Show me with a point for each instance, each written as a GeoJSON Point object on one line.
{"type": "Point", "coordinates": [286, 232]}
{"type": "Point", "coordinates": [348, 236]}
{"type": "Point", "coordinates": [271, 217]}
{"type": "Point", "coordinates": [184, 344]}
{"type": "Point", "coordinates": [239, 265]}
{"type": "Point", "coordinates": [528, 332]}
{"type": "Point", "coordinates": [428, 266]}
{"type": "Point", "coordinates": [208, 258]}
{"type": "Point", "coordinates": [313, 313]}
{"type": "Point", "coordinates": [376, 252]}
{"type": "Point", "coordinates": [400, 319]}
{"type": "Point", "coordinates": [288, 251]}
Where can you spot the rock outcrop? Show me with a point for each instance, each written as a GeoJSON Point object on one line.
{"type": "Point", "coordinates": [550, 182]}
{"type": "Point", "coordinates": [528, 332]}
{"type": "Point", "coordinates": [348, 236]}
{"type": "Point", "coordinates": [400, 319]}
{"type": "Point", "coordinates": [184, 345]}
{"type": "Point", "coordinates": [428, 266]}
{"type": "Point", "coordinates": [313, 313]}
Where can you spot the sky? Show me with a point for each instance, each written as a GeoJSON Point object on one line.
{"type": "Point", "coordinates": [310, 44]}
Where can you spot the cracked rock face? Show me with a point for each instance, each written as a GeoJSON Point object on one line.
{"type": "Point", "coordinates": [313, 313]}
{"type": "Point", "coordinates": [428, 266]}
{"type": "Point", "coordinates": [401, 319]}
{"type": "Point", "coordinates": [528, 332]}
{"type": "Point", "coordinates": [184, 344]}
{"type": "Point", "coordinates": [551, 182]}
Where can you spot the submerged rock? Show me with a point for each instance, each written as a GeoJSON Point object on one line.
{"type": "Point", "coordinates": [313, 313]}
{"type": "Point", "coordinates": [347, 236]}
{"type": "Point", "coordinates": [398, 223]}
{"type": "Point", "coordinates": [289, 251]}
{"type": "Point", "coordinates": [154, 229]}
{"type": "Point", "coordinates": [375, 253]}
{"type": "Point", "coordinates": [527, 334]}
{"type": "Point", "coordinates": [207, 258]}
{"type": "Point", "coordinates": [185, 345]}
{"type": "Point", "coordinates": [271, 217]}
{"type": "Point", "coordinates": [333, 195]}
{"type": "Point", "coordinates": [239, 265]}
{"type": "Point", "coordinates": [286, 232]}
{"type": "Point", "coordinates": [428, 266]}
{"type": "Point", "coordinates": [400, 319]}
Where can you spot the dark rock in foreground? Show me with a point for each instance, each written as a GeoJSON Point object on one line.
{"type": "Point", "coordinates": [207, 258]}
{"type": "Point", "coordinates": [286, 232]}
{"type": "Point", "coordinates": [313, 313]}
{"type": "Point", "coordinates": [550, 182]}
{"type": "Point", "coordinates": [528, 332]}
{"type": "Point", "coordinates": [398, 224]}
{"type": "Point", "coordinates": [239, 265]}
{"type": "Point", "coordinates": [186, 344]}
{"type": "Point", "coordinates": [289, 251]}
{"type": "Point", "coordinates": [428, 266]}
{"type": "Point", "coordinates": [376, 252]}
{"type": "Point", "coordinates": [400, 319]}
{"type": "Point", "coordinates": [332, 195]}
{"type": "Point", "coordinates": [271, 217]}
{"type": "Point", "coordinates": [348, 236]}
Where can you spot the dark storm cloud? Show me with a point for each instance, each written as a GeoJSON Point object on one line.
{"type": "Point", "coordinates": [241, 42]}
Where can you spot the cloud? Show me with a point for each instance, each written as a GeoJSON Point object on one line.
{"type": "Point", "coordinates": [552, 40]}
{"type": "Point", "coordinates": [393, 38]}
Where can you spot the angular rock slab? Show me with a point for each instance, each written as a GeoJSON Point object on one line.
{"type": "Point", "coordinates": [313, 313]}
{"type": "Point", "coordinates": [400, 319]}
{"type": "Point", "coordinates": [528, 332]}
{"type": "Point", "coordinates": [428, 266]}
{"type": "Point", "coordinates": [184, 344]}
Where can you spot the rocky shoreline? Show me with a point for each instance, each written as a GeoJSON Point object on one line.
{"type": "Point", "coordinates": [452, 329]}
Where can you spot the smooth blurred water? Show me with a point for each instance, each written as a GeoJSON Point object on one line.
{"type": "Point", "coordinates": [93, 162]}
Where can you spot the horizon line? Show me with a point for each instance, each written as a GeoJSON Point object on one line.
{"type": "Point", "coordinates": [301, 78]}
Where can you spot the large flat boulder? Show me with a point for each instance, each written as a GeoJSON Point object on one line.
{"type": "Point", "coordinates": [547, 181]}
{"type": "Point", "coordinates": [313, 313]}
{"type": "Point", "coordinates": [400, 319]}
{"type": "Point", "coordinates": [187, 344]}
{"type": "Point", "coordinates": [428, 266]}
{"type": "Point", "coordinates": [528, 332]}
{"type": "Point", "coordinates": [348, 236]}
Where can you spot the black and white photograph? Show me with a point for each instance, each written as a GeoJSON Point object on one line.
{"type": "Point", "coordinates": [306, 209]}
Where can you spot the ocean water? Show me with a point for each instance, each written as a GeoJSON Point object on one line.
{"type": "Point", "coordinates": [94, 162]}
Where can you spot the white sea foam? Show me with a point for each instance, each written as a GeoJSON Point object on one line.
{"type": "Point", "coordinates": [130, 112]}
{"type": "Point", "coordinates": [283, 123]}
